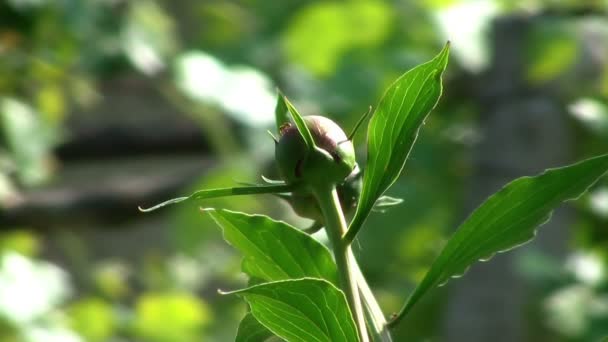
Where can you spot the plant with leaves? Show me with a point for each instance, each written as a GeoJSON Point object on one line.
{"type": "Point", "coordinates": [298, 291]}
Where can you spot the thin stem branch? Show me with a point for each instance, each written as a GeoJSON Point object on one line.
{"type": "Point", "coordinates": [335, 225]}
{"type": "Point", "coordinates": [358, 124]}
{"type": "Point", "coordinates": [376, 318]}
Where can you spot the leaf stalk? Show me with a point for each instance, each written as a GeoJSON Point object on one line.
{"type": "Point", "coordinates": [335, 225]}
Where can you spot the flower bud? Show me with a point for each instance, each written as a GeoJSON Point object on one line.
{"type": "Point", "coordinates": [330, 163]}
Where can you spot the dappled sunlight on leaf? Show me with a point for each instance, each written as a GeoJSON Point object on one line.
{"type": "Point", "coordinates": [551, 50]}
{"type": "Point", "coordinates": [21, 241]}
{"type": "Point", "coordinates": [93, 319]}
{"type": "Point", "coordinates": [323, 32]}
{"type": "Point", "coordinates": [110, 278]}
{"type": "Point", "coordinates": [171, 317]}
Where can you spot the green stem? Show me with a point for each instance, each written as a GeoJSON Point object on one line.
{"type": "Point", "coordinates": [335, 225]}
{"type": "Point", "coordinates": [375, 316]}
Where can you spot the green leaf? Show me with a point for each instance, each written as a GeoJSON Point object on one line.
{"type": "Point", "coordinates": [280, 112]}
{"type": "Point", "coordinates": [300, 124]}
{"type": "Point", "coordinates": [507, 220]}
{"type": "Point", "coordinates": [250, 330]}
{"type": "Point", "coordinates": [223, 192]}
{"type": "Point", "coordinates": [393, 129]}
{"type": "Point", "coordinates": [274, 250]}
{"type": "Point", "coordinates": [302, 310]}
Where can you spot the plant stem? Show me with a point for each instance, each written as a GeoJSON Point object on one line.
{"type": "Point", "coordinates": [375, 316]}
{"type": "Point", "coordinates": [335, 225]}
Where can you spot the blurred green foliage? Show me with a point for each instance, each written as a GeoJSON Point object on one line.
{"type": "Point", "coordinates": [217, 63]}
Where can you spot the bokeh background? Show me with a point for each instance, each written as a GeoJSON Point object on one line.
{"type": "Point", "coordinates": [110, 104]}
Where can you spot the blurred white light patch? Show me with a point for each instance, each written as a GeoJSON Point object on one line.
{"type": "Point", "coordinates": [598, 202]}
{"type": "Point", "coordinates": [465, 24]}
{"type": "Point", "coordinates": [148, 36]}
{"type": "Point", "coordinates": [141, 53]}
{"type": "Point", "coordinates": [50, 334]}
{"type": "Point", "coordinates": [243, 92]}
{"type": "Point", "coordinates": [591, 113]}
{"type": "Point", "coordinates": [566, 309]}
{"type": "Point", "coordinates": [29, 289]}
{"type": "Point", "coordinates": [586, 267]}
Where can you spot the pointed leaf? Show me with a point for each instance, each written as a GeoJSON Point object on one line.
{"type": "Point", "coordinates": [302, 310]}
{"type": "Point", "coordinates": [393, 129]}
{"type": "Point", "coordinates": [280, 112]}
{"type": "Point", "coordinates": [300, 124]}
{"type": "Point", "coordinates": [507, 220]}
{"type": "Point", "coordinates": [250, 330]}
{"type": "Point", "coordinates": [274, 250]}
{"type": "Point", "coordinates": [223, 192]}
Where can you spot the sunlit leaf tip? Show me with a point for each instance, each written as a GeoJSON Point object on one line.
{"type": "Point", "coordinates": [385, 202]}
{"type": "Point", "coordinates": [163, 204]}
{"type": "Point", "coordinates": [280, 111]}
{"type": "Point", "coordinates": [271, 181]}
{"type": "Point", "coordinates": [223, 292]}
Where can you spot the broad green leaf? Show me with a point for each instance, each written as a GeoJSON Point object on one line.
{"type": "Point", "coordinates": [507, 220]}
{"type": "Point", "coordinates": [302, 310]}
{"type": "Point", "coordinates": [250, 330]}
{"type": "Point", "coordinates": [274, 250]}
{"type": "Point", "coordinates": [393, 129]}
